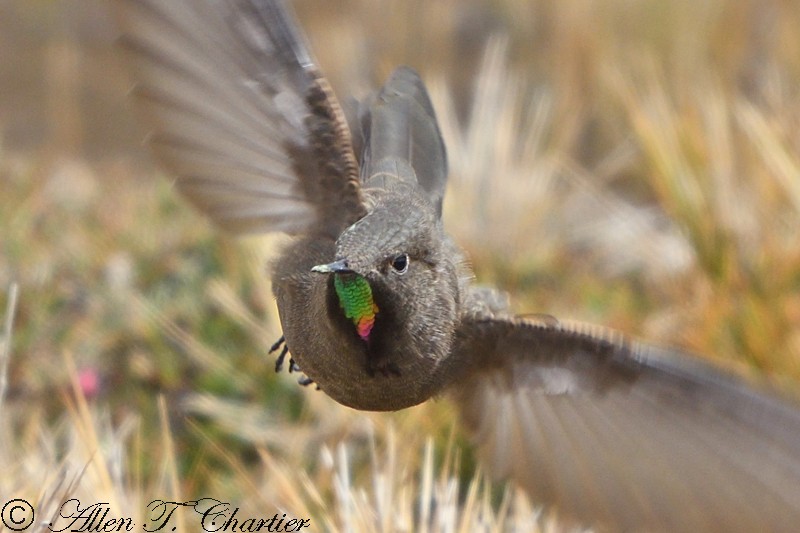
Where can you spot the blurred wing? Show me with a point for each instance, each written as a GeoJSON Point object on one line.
{"type": "Point", "coordinates": [628, 436]}
{"type": "Point", "coordinates": [241, 115]}
{"type": "Point", "coordinates": [403, 138]}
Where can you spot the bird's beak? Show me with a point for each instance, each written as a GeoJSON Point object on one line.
{"type": "Point", "coordinates": [340, 267]}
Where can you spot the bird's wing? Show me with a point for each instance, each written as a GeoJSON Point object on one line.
{"type": "Point", "coordinates": [624, 435]}
{"type": "Point", "coordinates": [403, 138]}
{"type": "Point", "coordinates": [241, 115]}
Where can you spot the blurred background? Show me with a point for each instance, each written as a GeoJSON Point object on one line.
{"type": "Point", "coordinates": [630, 163]}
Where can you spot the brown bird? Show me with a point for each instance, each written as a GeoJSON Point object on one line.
{"type": "Point", "coordinates": [376, 301]}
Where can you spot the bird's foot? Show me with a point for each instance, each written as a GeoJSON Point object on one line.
{"type": "Point", "coordinates": [281, 345]}
{"type": "Point", "coordinates": [282, 355]}
{"type": "Point", "coordinates": [305, 381]}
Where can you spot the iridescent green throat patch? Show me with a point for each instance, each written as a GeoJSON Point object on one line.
{"type": "Point", "coordinates": [355, 297]}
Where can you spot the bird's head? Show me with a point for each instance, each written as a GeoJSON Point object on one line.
{"type": "Point", "coordinates": [393, 273]}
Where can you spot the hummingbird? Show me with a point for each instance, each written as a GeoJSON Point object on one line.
{"type": "Point", "coordinates": [378, 306]}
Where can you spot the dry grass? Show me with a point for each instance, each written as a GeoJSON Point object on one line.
{"type": "Point", "coordinates": [635, 164]}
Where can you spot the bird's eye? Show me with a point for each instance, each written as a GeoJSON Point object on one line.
{"type": "Point", "coordinates": [400, 263]}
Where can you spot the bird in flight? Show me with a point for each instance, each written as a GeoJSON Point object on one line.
{"type": "Point", "coordinates": [377, 303]}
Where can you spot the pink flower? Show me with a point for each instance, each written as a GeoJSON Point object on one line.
{"type": "Point", "coordinates": [89, 382]}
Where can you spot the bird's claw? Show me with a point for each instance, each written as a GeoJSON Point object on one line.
{"type": "Point", "coordinates": [282, 356]}
{"type": "Point", "coordinates": [281, 345]}
{"type": "Point", "coordinates": [305, 381]}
